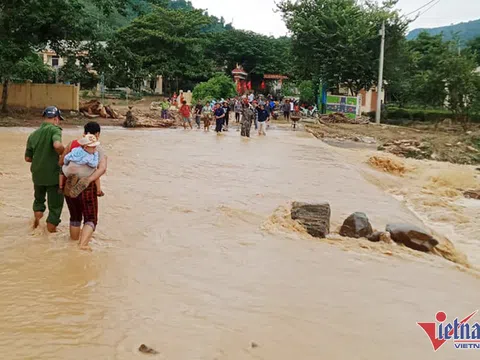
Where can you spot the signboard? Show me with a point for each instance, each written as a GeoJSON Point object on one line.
{"type": "Point", "coordinates": [348, 105]}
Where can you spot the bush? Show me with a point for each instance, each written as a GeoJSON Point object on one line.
{"type": "Point", "coordinates": [307, 92]}
{"type": "Point", "coordinates": [218, 87]}
{"type": "Point", "coordinates": [393, 114]}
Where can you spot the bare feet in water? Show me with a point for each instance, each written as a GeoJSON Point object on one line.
{"type": "Point", "coordinates": [36, 221]}
{"type": "Point", "coordinates": [86, 248]}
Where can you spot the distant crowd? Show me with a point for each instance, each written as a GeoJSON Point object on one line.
{"type": "Point", "coordinates": [247, 111]}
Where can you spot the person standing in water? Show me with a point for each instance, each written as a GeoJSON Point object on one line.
{"type": "Point", "coordinates": [198, 114]}
{"type": "Point", "coordinates": [219, 117]}
{"type": "Point", "coordinates": [82, 197]}
{"type": "Point", "coordinates": [238, 110]}
{"type": "Point", "coordinates": [185, 112]}
{"type": "Point", "coordinates": [226, 109]}
{"type": "Point", "coordinates": [248, 115]}
{"type": "Point", "coordinates": [263, 117]}
{"type": "Point", "coordinates": [44, 147]}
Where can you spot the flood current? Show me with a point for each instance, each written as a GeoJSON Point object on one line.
{"type": "Point", "coordinates": [195, 257]}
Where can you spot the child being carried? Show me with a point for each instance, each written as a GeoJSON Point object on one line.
{"type": "Point", "coordinates": [82, 161]}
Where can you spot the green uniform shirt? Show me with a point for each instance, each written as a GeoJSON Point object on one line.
{"type": "Point", "coordinates": [45, 169]}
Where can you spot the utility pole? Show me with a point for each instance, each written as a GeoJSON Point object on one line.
{"type": "Point", "coordinates": [378, 114]}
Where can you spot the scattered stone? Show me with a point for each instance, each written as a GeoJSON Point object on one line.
{"type": "Point", "coordinates": [469, 132]}
{"type": "Point", "coordinates": [472, 149]}
{"type": "Point", "coordinates": [356, 226]}
{"type": "Point", "coordinates": [448, 145]}
{"type": "Point", "coordinates": [408, 148]}
{"type": "Point", "coordinates": [472, 194]}
{"type": "Point", "coordinates": [147, 350]}
{"type": "Point", "coordinates": [412, 237]}
{"type": "Point", "coordinates": [315, 218]}
{"type": "Point", "coordinates": [380, 236]}
{"type": "Point", "coordinates": [254, 345]}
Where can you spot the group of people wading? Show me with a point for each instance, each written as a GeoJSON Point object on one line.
{"type": "Point", "coordinates": [248, 112]}
{"type": "Point", "coordinates": [66, 173]}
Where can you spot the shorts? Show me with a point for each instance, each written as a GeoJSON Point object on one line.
{"type": "Point", "coordinates": [186, 119]}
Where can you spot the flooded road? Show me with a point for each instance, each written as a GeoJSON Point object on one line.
{"type": "Point", "coordinates": [188, 259]}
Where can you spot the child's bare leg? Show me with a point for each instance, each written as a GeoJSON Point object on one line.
{"type": "Point", "coordinates": [99, 188]}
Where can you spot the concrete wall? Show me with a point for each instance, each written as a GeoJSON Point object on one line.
{"type": "Point", "coordinates": [39, 96]}
{"type": "Point", "coordinates": [369, 100]}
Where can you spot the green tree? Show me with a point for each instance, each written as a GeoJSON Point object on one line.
{"type": "Point", "coordinates": [164, 42]}
{"type": "Point", "coordinates": [337, 40]}
{"type": "Point", "coordinates": [461, 83]}
{"type": "Point", "coordinates": [258, 54]}
{"type": "Point", "coordinates": [33, 69]}
{"type": "Point", "coordinates": [29, 25]}
{"type": "Point", "coordinates": [307, 92]}
{"type": "Point", "coordinates": [218, 87]}
{"type": "Point", "coordinates": [473, 47]}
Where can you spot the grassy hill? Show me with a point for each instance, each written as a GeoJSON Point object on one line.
{"type": "Point", "coordinates": [466, 31]}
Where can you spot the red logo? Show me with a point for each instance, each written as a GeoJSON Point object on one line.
{"type": "Point", "coordinates": [463, 334]}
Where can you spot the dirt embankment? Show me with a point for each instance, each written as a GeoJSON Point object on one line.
{"type": "Point", "coordinates": [421, 141]}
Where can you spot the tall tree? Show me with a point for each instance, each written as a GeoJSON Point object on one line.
{"type": "Point", "coordinates": [337, 40]}
{"type": "Point", "coordinates": [29, 25]}
{"type": "Point", "coordinates": [167, 42]}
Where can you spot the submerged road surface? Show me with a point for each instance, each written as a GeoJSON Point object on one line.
{"type": "Point", "coordinates": [183, 261]}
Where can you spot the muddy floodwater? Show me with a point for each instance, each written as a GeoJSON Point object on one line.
{"type": "Point", "coordinates": [191, 260]}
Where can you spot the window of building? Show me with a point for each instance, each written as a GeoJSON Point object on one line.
{"type": "Point", "coordinates": [55, 61]}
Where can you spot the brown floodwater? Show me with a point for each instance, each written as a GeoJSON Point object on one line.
{"type": "Point", "coordinates": [191, 259]}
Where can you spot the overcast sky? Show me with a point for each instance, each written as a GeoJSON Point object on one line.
{"type": "Point", "coordinates": [258, 15]}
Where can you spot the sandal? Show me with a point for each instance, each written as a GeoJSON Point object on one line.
{"type": "Point", "coordinates": [79, 187]}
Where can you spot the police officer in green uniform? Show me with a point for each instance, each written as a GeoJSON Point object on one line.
{"type": "Point", "coordinates": [44, 146]}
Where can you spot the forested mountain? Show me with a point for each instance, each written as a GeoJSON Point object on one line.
{"type": "Point", "coordinates": [106, 25]}
{"type": "Point", "coordinates": [466, 31]}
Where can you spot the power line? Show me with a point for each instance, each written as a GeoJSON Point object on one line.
{"type": "Point", "coordinates": [420, 8]}
{"type": "Point", "coordinates": [429, 8]}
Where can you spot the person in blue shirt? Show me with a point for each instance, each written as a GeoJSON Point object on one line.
{"type": "Point", "coordinates": [219, 117]}
{"type": "Point", "coordinates": [263, 117]}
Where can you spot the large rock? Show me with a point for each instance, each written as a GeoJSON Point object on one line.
{"type": "Point", "coordinates": [356, 226]}
{"type": "Point", "coordinates": [314, 217]}
{"type": "Point", "coordinates": [412, 237]}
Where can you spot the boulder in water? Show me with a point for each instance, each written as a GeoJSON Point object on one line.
{"type": "Point", "coordinates": [314, 217]}
{"type": "Point", "coordinates": [356, 226]}
{"type": "Point", "coordinates": [412, 237]}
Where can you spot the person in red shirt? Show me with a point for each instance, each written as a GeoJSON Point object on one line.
{"type": "Point", "coordinates": [185, 112]}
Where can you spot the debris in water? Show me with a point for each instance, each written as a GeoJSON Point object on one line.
{"type": "Point", "coordinates": [388, 164]}
{"type": "Point", "coordinates": [472, 194]}
{"type": "Point", "coordinates": [95, 108]}
{"type": "Point", "coordinates": [254, 345]}
{"type": "Point", "coordinates": [147, 350]}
